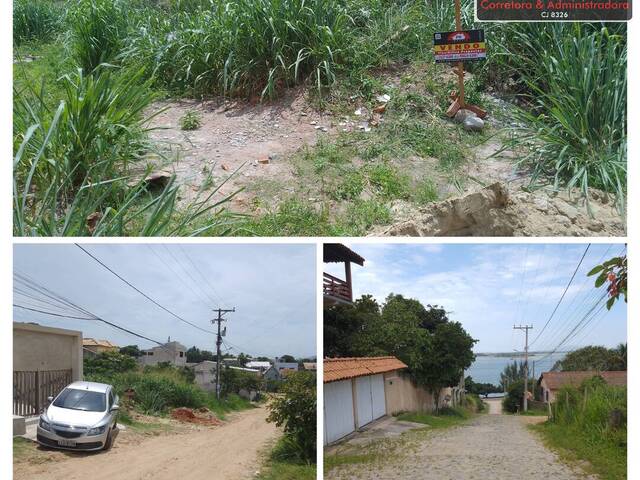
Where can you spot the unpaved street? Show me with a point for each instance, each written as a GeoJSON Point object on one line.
{"type": "Point", "coordinates": [229, 452]}
{"type": "Point", "coordinates": [489, 447]}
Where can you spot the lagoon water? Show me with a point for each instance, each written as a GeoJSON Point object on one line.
{"type": "Point", "coordinates": [487, 368]}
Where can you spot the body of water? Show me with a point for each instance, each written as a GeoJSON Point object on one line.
{"type": "Point", "coordinates": [487, 369]}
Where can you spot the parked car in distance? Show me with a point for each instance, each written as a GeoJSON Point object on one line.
{"type": "Point", "coordinates": [82, 417]}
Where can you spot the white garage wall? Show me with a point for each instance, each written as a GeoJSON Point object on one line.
{"type": "Point", "coordinates": [338, 410]}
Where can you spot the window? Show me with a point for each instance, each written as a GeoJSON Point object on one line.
{"type": "Point", "coordinates": [84, 400]}
{"type": "Point", "coordinates": [181, 354]}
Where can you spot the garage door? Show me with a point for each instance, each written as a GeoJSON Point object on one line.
{"type": "Point", "coordinates": [377, 396]}
{"type": "Point", "coordinates": [365, 408]}
{"type": "Point", "coordinates": [370, 399]}
{"type": "Point", "coordinates": [338, 410]}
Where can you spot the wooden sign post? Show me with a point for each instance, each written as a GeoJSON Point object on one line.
{"type": "Point", "coordinates": [458, 98]}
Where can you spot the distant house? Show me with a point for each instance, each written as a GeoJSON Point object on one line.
{"type": "Point", "coordinates": [334, 289]}
{"type": "Point", "coordinates": [231, 362]}
{"type": "Point", "coordinates": [551, 382]}
{"type": "Point", "coordinates": [92, 347]}
{"type": "Point", "coordinates": [173, 352]}
{"type": "Point", "coordinates": [262, 366]}
{"type": "Point", "coordinates": [356, 392]}
{"type": "Point", "coordinates": [311, 366]}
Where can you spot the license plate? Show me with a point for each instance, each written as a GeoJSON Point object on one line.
{"type": "Point", "coordinates": [67, 443]}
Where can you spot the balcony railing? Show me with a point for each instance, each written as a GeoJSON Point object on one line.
{"type": "Point", "coordinates": [335, 287]}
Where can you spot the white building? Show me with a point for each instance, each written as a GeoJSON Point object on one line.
{"type": "Point", "coordinates": [173, 352]}
{"type": "Point", "coordinates": [206, 375]}
{"type": "Point", "coordinates": [262, 366]}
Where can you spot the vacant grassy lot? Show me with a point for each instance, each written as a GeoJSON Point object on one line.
{"type": "Point", "coordinates": [88, 75]}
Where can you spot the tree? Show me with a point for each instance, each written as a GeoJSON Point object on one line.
{"type": "Point", "coordinates": [131, 350]}
{"type": "Point", "coordinates": [440, 361]}
{"type": "Point", "coordinates": [594, 358]}
{"type": "Point", "coordinates": [286, 359]}
{"type": "Point", "coordinates": [480, 388]}
{"type": "Point", "coordinates": [195, 355]}
{"type": "Point", "coordinates": [512, 402]}
{"type": "Point", "coordinates": [294, 409]}
{"type": "Point", "coordinates": [243, 359]}
{"type": "Point", "coordinates": [436, 350]}
{"type": "Point", "coordinates": [613, 271]}
{"type": "Point", "coordinates": [347, 328]}
{"type": "Point", "coordinates": [512, 373]}
{"type": "Point", "coordinates": [233, 380]}
{"type": "Point", "coordinates": [108, 364]}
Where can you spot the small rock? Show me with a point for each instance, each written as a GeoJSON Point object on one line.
{"type": "Point", "coordinates": [358, 112]}
{"type": "Point", "coordinates": [224, 167]}
{"type": "Point", "coordinates": [463, 114]}
{"type": "Point", "coordinates": [313, 122]}
{"type": "Point", "coordinates": [568, 211]}
{"type": "Point", "coordinates": [383, 98]}
{"type": "Point", "coordinates": [473, 124]}
{"type": "Point", "coordinates": [380, 108]}
{"type": "Point", "coordinates": [325, 129]}
{"type": "Point", "coordinates": [263, 160]}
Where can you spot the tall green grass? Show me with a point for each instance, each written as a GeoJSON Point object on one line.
{"type": "Point", "coordinates": [244, 46]}
{"type": "Point", "coordinates": [72, 171]}
{"type": "Point", "coordinates": [36, 20]}
{"type": "Point", "coordinates": [580, 425]}
{"type": "Point", "coordinates": [573, 77]}
{"type": "Point", "coordinates": [98, 31]}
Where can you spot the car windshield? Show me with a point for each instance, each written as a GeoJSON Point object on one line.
{"type": "Point", "coordinates": [81, 400]}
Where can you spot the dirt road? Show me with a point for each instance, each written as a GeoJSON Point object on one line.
{"type": "Point", "coordinates": [229, 452]}
{"type": "Point", "coordinates": [495, 405]}
{"type": "Point", "coordinates": [489, 447]}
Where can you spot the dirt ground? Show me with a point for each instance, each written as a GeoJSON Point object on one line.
{"type": "Point", "coordinates": [489, 447]}
{"type": "Point", "coordinates": [495, 405]}
{"type": "Point", "coordinates": [228, 452]}
{"type": "Point", "coordinates": [255, 143]}
{"type": "Point", "coordinates": [253, 137]}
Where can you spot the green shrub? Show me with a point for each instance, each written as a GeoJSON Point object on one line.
{"type": "Point", "coordinates": [39, 20]}
{"type": "Point", "coordinates": [108, 363]}
{"type": "Point", "coordinates": [295, 411]}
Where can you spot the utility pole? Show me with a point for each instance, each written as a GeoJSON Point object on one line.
{"type": "Point", "coordinates": [526, 329]}
{"type": "Point", "coordinates": [219, 320]}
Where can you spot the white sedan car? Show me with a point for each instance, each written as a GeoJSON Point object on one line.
{"type": "Point", "coordinates": [82, 417]}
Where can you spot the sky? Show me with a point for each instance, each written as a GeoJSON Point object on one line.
{"type": "Point", "coordinates": [490, 287]}
{"type": "Point", "coordinates": [272, 287]}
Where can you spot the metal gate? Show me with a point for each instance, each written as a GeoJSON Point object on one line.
{"type": "Point", "coordinates": [31, 389]}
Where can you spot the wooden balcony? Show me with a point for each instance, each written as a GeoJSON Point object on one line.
{"type": "Point", "coordinates": [336, 289]}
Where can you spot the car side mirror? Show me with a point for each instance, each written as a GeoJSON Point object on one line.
{"type": "Point", "coordinates": [50, 399]}
{"type": "Point", "coordinates": [115, 408]}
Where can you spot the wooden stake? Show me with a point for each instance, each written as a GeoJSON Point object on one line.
{"type": "Point", "coordinates": [460, 64]}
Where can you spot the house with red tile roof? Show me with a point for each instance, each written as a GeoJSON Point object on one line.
{"type": "Point", "coordinates": [551, 382]}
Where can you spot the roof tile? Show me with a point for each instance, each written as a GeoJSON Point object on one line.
{"type": "Point", "coordinates": [556, 380]}
{"type": "Point", "coordinates": [335, 369]}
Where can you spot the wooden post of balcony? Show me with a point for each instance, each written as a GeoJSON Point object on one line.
{"type": "Point", "coordinates": [347, 276]}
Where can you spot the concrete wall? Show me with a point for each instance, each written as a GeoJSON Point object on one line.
{"type": "Point", "coordinates": [170, 352]}
{"type": "Point", "coordinates": [205, 375]}
{"type": "Point", "coordinates": [402, 395]}
{"type": "Point", "coordinates": [44, 348]}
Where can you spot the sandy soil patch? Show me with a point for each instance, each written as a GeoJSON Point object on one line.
{"type": "Point", "coordinates": [227, 452]}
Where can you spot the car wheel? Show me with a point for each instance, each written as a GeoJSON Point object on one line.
{"type": "Point", "coordinates": [109, 442]}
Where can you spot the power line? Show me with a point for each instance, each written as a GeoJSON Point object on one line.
{"type": "Point", "coordinates": [142, 293]}
{"type": "Point", "coordinates": [204, 277]}
{"type": "Point", "coordinates": [204, 294]}
{"type": "Point", "coordinates": [563, 294]}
